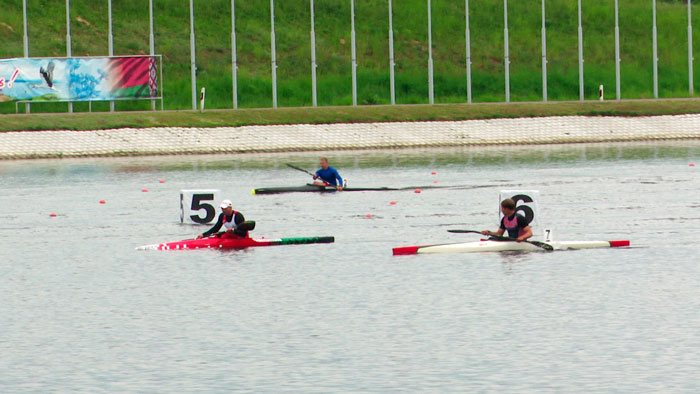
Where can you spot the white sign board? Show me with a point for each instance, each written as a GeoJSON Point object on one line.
{"type": "Point", "coordinates": [199, 206]}
{"type": "Point", "coordinates": [526, 204]}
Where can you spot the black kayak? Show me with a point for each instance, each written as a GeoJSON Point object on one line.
{"type": "Point", "coordinates": [317, 189]}
{"type": "Point", "coordinates": [330, 189]}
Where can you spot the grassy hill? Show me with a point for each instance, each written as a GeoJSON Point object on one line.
{"type": "Point", "coordinates": [89, 37]}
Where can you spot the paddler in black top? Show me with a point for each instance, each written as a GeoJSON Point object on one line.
{"type": "Point", "coordinates": [229, 219]}
{"type": "Point", "coordinates": [517, 225]}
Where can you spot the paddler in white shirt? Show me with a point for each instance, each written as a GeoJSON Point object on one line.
{"type": "Point", "coordinates": [517, 225]}
{"type": "Point", "coordinates": [229, 219]}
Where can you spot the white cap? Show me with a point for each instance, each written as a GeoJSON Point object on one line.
{"type": "Point", "coordinates": [226, 204]}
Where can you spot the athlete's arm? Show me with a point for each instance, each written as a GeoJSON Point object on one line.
{"type": "Point", "coordinates": [497, 233]}
{"type": "Point", "coordinates": [336, 175]}
{"type": "Point", "coordinates": [217, 226]}
{"type": "Point", "coordinates": [526, 234]}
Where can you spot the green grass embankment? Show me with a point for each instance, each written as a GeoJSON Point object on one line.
{"type": "Point", "coordinates": [47, 33]}
{"type": "Point", "coordinates": [376, 113]}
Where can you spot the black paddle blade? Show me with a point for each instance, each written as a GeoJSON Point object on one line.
{"type": "Point", "coordinates": [464, 231]}
{"type": "Point", "coordinates": [542, 245]}
{"type": "Point", "coordinates": [299, 169]}
{"type": "Point", "coordinates": [248, 225]}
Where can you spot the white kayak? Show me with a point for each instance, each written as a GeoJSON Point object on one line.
{"type": "Point", "coordinates": [504, 246]}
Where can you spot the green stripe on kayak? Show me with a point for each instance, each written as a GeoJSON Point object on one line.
{"type": "Point", "coordinates": [306, 240]}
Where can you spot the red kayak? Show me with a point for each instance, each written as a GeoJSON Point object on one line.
{"type": "Point", "coordinates": [235, 243]}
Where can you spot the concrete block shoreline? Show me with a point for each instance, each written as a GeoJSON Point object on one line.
{"type": "Point", "coordinates": [305, 137]}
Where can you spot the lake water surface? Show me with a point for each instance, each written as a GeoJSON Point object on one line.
{"type": "Point", "coordinates": [81, 310]}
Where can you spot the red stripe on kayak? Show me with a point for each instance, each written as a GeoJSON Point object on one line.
{"type": "Point", "coordinates": [617, 244]}
{"type": "Point", "coordinates": [406, 250]}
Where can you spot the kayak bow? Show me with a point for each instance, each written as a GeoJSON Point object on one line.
{"type": "Point", "coordinates": [235, 243]}
{"type": "Point", "coordinates": [504, 246]}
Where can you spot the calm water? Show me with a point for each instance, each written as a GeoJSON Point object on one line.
{"type": "Point", "coordinates": [81, 310]}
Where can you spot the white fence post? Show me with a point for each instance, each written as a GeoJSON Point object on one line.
{"type": "Point", "coordinates": [506, 56]}
{"type": "Point", "coordinates": [354, 52]}
{"type": "Point", "coordinates": [110, 42]}
{"type": "Point", "coordinates": [655, 49]}
{"type": "Point", "coordinates": [68, 43]}
{"type": "Point", "coordinates": [152, 50]}
{"type": "Point", "coordinates": [581, 92]}
{"type": "Point", "coordinates": [468, 44]}
{"type": "Point", "coordinates": [544, 53]}
{"type": "Point", "coordinates": [392, 86]}
{"type": "Point", "coordinates": [273, 54]}
{"type": "Point", "coordinates": [314, 100]}
{"type": "Point", "coordinates": [617, 52]}
{"type": "Point", "coordinates": [27, 106]}
{"type": "Point", "coordinates": [193, 65]}
{"type": "Point", "coordinates": [690, 53]}
{"type": "Point", "coordinates": [431, 92]}
{"type": "Point", "coordinates": [234, 60]}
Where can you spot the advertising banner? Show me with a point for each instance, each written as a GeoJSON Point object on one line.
{"type": "Point", "coordinates": [78, 78]}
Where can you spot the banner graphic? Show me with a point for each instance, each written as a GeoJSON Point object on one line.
{"type": "Point", "coordinates": [78, 78]}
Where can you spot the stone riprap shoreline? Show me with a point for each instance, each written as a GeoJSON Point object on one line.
{"type": "Point", "coordinates": [305, 137]}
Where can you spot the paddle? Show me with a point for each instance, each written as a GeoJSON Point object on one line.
{"type": "Point", "coordinates": [542, 245]}
{"type": "Point", "coordinates": [303, 170]}
{"type": "Point", "coordinates": [248, 225]}
{"type": "Point", "coordinates": [300, 169]}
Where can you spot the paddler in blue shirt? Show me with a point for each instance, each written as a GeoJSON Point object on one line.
{"type": "Point", "coordinates": [517, 225]}
{"type": "Point", "coordinates": [229, 219]}
{"type": "Point", "coordinates": [328, 176]}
